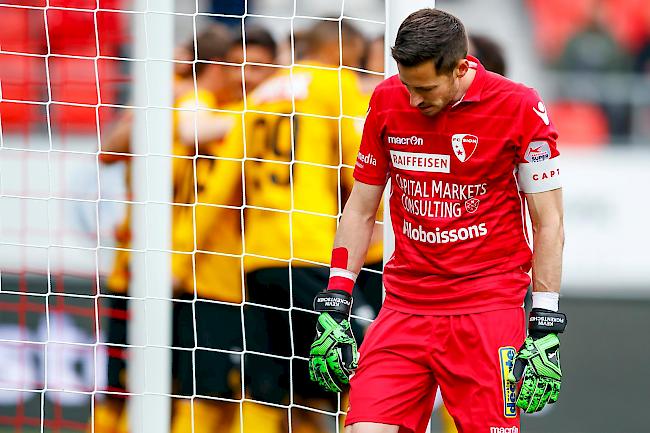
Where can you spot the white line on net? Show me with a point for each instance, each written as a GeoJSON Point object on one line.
{"type": "Point", "coordinates": [214, 110]}
{"type": "Point", "coordinates": [49, 164]}
{"type": "Point", "coordinates": [189, 14]}
{"type": "Point", "coordinates": [137, 250]}
{"type": "Point", "coordinates": [170, 395]}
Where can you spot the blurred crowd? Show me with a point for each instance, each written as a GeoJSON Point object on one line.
{"type": "Point", "coordinates": [600, 51]}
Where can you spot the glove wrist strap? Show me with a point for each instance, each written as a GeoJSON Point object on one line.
{"type": "Point", "coordinates": [333, 301]}
{"type": "Point", "coordinates": [542, 322]}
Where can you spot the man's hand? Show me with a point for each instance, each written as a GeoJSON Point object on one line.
{"type": "Point", "coordinates": [333, 355]}
{"type": "Point", "coordinates": [538, 361]}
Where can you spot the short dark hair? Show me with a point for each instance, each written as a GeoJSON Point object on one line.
{"type": "Point", "coordinates": [259, 36]}
{"type": "Point", "coordinates": [327, 31]}
{"type": "Point", "coordinates": [212, 45]}
{"type": "Point", "coordinates": [431, 35]}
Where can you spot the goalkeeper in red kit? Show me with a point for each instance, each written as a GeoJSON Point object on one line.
{"type": "Point", "coordinates": [467, 151]}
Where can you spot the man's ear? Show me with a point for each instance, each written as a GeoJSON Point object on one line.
{"type": "Point", "coordinates": [462, 68]}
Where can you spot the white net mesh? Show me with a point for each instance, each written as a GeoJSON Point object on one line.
{"type": "Point", "coordinates": [66, 243]}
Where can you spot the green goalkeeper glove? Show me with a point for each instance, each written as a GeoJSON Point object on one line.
{"type": "Point", "coordinates": [537, 363]}
{"type": "Point", "coordinates": [333, 355]}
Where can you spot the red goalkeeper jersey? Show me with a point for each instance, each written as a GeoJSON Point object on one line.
{"type": "Point", "coordinates": [457, 183]}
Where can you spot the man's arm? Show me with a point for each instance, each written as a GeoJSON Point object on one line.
{"type": "Point", "coordinates": [118, 140]}
{"type": "Point", "coordinates": [537, 363]}
{"type": "Point", "coordinates": [209, 127]}
{"type": "Point", "coordinates": [333, 355]}
{"type": "Point", "coordinates": [546, 215]}
{"type": "Point", "coordinates": [357, 223]}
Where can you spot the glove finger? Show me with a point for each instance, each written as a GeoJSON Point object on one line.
{"type": "Point", "coordinates": [555, 392]}
{"type": "Point", "coordinates": [312, 369]}
{"type": "Point", "coordinates": [336, 366]}
{"type": "Point", "coordinates": [318, 375]}
{"type": "Point", "coordinates": [347, 356]}
{"type": "Point", "coordinates": [328, 381]}
{"type": "Point", "coordinates": [525, 391]}
{"type": "Point", "coordinates": [538, 394]}
{"type": "Point", "coordinates": [541, 395]}
{"type": "Point", "coordinates": [548, 391]}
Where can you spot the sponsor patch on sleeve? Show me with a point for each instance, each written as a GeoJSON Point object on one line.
{"type": "Point", "coordinates": [538, 151]}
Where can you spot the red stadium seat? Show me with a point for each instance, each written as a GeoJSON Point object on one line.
{"type": "Point", "coordinates": [555, 21]}
{"type": "Point", "coordinates": [74, 32]}
{"type": "Point", "coordinates": [74, 81]}
{"type": "Point", "coordinates": [628, 21]}
{"type": "Point", "coordinates": [580, 124]}
{"type": "Point", "coordinates": [22, 30]}
{"type": "Point", "coordinates": [23, 78]}
{"type": "Point", "coordinates": [71, 32]}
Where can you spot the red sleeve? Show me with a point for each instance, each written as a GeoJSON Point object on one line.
{"type": "Point", "coordinates": [536, 126]}
{"type": "Point", "coordinates": [372, 162]}
{"type": "Point", "coordinates": [538, 162]}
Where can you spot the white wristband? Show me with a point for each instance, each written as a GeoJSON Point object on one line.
{"type": "Point", "coordinates": [546, 300]}
{"type": "Point", "coordinates": [338, 272]}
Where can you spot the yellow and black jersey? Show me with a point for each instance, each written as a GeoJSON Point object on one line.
{"type": "Point", "coordinates": [215, 274]}
{"type": "Point", "coordinates": [217, 277]}
{"type": "Point", "coordinates": [299, 128]}
{"type": "Point", "coordinates": [118, 279]}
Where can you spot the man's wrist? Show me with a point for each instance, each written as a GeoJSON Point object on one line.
{"type": "Point", "coordinates": [340, 277]}
{"type": "Point", "coordinates": [546, 300]}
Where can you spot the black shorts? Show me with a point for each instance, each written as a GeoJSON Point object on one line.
{"type": "Point", "coordinates": [218, 326]}
{"type": "Point", "coordinates": [207, 370]}
{"type": "Point", "coordinates": [116, 326]}
{"type": "Point", "coordinates": [274, 329]}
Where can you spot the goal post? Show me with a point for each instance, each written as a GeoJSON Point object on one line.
{"type": "Point", "coordinates": [150, 312]}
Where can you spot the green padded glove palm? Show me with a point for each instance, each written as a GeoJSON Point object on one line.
{"type": "Point", "coordinates": [333, 355]}
{"type": "Point", "coordinates": [537, 363]}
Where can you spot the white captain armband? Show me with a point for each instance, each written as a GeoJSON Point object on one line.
{"type": "Point", "coordinates": [539, 176]}
{"type": "Point", "coordinates": [539, 172]}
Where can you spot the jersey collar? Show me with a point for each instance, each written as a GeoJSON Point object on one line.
{"type": "Point", "coordinates": [473, 94]}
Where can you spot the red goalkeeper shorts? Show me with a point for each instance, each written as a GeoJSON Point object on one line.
{"type": "Point", "coordinates": [405, 357]}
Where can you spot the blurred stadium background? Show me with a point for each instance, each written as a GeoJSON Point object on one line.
{"type": "Point", "coordinates": [590, 60]}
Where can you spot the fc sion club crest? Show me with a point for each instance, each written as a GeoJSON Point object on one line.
{"type": "Point", "coordinates": [464, 145]}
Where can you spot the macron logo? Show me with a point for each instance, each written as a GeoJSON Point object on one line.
{"type": "Point", "coordinates": [512, 429]}
{"type": "Point", "coordinates": [413, 140]}
{"type": "Point", "coordinates": [541, 112]}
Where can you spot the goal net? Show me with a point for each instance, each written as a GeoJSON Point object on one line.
{"type": "Point", "coordinates": [132, 266]}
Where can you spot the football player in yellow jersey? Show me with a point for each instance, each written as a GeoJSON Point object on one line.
{"type": "Point", "coordinates": [216, 266]}
{"type": "Point", "coordinates": [110, 414]}
{"type": "Point", "coordinates": [216, 277]}
{"type": "Point", "coordinates": [300, 126]}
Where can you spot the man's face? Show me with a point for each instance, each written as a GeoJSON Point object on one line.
{"type": "Point", "coordinates": [254, 74]}
{"type": "Point", "coordinates": [353, 51]}
{"type": "Point", "coordinates": [430, 92]}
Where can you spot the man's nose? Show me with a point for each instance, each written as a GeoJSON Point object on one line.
{"type": "Point", "coordinates": [415, 99]}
